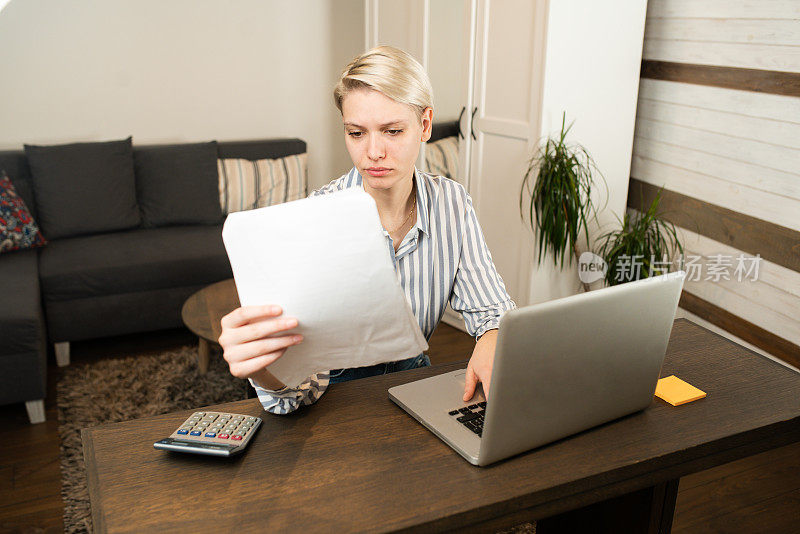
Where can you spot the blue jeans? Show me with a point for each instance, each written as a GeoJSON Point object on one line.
{"type": "Point", "coordinates": [343, 375]}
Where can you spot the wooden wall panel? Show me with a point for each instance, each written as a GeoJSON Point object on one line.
{"type": "Point", "coordinates": [725, 30]}
{"type": "Point", "coordinates": [755, 236]}
{"type": "Point", "coordinates": [769, 273]}
{"type": "Point", "coordinates": [789, 356]}
{"type": "Point", "coordinates": [752, 311]}
{"type": "Point", "coordinates": [774, 132]}
{"type": "Point", "coordinates": [762, 81]}
{"type": "Point", "coordinates": [748, 56]}
{"type": "Point", "coordinates": [752, 104]}
{"type": "Point", "coordinates": [742, 199]}
{"type": "Point", "coordinates": [724, 9]}
{"type": "Point", "coordinates": [748, 150]}
{"type": "Point", "coordinates": [733, 171]}
{"type": "Point", "coordinates": [760, 337]}
{"type": "Point", "coordinates": [718, 126]}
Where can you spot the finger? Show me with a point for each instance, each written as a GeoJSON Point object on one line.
{"type": "Point", "coordinates": [245, 314]}
{"type": "Point", "coordinates": [255, 349]}
{"type": "Point", "coordinates": [252, 366]}
{"type": "Point", "coordinates": [469, 384]}
{"type": "Point", "coordinates": [264, 328]}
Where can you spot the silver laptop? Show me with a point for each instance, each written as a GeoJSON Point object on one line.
{"type": "Point", "coordinates": [560, 367]}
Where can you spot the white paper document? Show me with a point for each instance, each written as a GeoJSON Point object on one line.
{"type": "Point", "coordinates": [325, 261]}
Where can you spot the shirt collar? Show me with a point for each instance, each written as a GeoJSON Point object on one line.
{"type": "Point", "coordinates": [423, 208]}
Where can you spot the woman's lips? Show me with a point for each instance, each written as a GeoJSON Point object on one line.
{"type": "Point", "coordinates": [378, 171]}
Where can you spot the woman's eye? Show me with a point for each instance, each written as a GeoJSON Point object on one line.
{"type": "Point", "coordinates": [394, 132]}
{"type": "Point", "coordinates": [354, 134]}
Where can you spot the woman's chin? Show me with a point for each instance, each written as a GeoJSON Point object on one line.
{"type": "Point", "coordinates": [380, 182]}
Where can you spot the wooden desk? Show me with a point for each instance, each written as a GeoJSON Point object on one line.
{"type": "Point", "coordinates": [356, 462]}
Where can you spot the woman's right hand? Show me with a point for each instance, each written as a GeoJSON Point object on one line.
{"type": "Point", "coordinates": [253, 338]}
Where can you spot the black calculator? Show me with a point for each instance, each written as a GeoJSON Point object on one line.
{"type": "Point", "coordinates": [212, 433]}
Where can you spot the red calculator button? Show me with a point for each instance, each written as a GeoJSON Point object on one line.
{"type": "Point", "coordinates": [236, 437]}
{"type": "Point", "coordinates": [223, 436]}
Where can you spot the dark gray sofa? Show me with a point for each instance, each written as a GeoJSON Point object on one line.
{"type": "Point", "coordinates": [111, 283]}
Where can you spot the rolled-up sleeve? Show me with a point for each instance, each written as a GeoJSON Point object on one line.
{"type": "Point", "coordinates": [287, 400]}
{"type": "Point", "coordinates": [479, 293]}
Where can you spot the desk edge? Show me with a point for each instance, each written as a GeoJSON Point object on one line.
{"type": "Point", "coordinates": [92, 482]}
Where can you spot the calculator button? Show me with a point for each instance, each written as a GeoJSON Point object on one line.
{"type": "Point", "coordinates": [236, 436]}
{"type": "Point", "coordinates": [251, 418]}
{"type": "Point", "coordinates": [454, 412]}
{"type": "Point", "coordinates": [195, 433]}
{"type": "Point", "coordinates": [223, 436]}
{"type": "Point", "coordinates": [211, 434]}
{"type": "Point", "coordinates": [182, 431]}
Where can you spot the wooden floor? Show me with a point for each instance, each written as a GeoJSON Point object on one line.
{"type": "Point", "coordinates": [757, 494]}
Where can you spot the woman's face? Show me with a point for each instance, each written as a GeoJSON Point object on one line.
{"type": "Point", "coordinates": [383, 137]}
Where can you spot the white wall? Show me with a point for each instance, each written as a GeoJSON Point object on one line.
{"type": "Point", "coordinates": [178, 71]}
{"type": "Point", "coordinates": [592, 72]}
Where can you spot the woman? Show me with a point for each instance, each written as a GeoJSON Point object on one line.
{"type": "Point", "coordinates": [386, 102]}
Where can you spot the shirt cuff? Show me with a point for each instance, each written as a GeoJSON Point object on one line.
{"type": "Point", "coordinates": [492, 321]}
{"type": "Point", "coordinates": [286, 400]}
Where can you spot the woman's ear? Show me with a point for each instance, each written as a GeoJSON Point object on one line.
{"type": "Point", "coordinates": [427, 124]}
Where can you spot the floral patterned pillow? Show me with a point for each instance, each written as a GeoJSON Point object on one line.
{"type": "Point", "coordinates": [18, 230]}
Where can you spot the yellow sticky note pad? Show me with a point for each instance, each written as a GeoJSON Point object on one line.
{"type": "Point", "coordinates": [675, 391]}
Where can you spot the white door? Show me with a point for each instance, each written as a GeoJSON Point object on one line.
{"type": "Point", "coordinates": [509, 60]}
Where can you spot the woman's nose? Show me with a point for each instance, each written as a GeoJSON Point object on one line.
{"type": "Point", "coordinates": [375, 148]}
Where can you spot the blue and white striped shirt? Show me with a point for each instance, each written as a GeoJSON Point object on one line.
{"type": "Point", "coordinates": [443, 258]}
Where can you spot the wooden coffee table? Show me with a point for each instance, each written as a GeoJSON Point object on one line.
{"type": "Point", "coordinates": [202, 312]}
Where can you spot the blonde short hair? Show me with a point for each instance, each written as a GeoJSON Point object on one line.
{"type": "Point", "coordinates": [389, 71]}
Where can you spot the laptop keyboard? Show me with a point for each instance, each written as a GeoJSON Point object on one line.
{"type": "Point", "coordinates": [471, 417]}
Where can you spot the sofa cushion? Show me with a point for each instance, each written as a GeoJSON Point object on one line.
{"type": "Point", "coordinates": [441, 157]}
{"type": "Point", "coordinates": [246, 185]}
{"type": "Point", "coordinates": [177, 184]}
{"type": "Point", "coordinates": [137, 260]}
{"type": "Point", "coordinates": [83, 188]}
{"type": "Point", "coordinates": [15, 165]}
{"type": "Point", "coordinates": [20, 314]}
{"type": "Point", "coordinates": [18, 230]}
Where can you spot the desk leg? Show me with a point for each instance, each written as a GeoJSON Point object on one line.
{"type": "Point", "coordinates": [649, 511]}
{"type": "Point", "coordinates": [204, 354]}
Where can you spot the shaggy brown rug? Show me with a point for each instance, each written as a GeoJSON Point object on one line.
{"type": "Point", "coordinates": [113, 390]}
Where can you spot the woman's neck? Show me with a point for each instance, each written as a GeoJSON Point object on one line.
{"type": "Point", "coordinates": [394, 203]}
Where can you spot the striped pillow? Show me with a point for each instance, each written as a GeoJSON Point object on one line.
{"type": "Point", "coordinates": [245, 184]}
{"type": "Point", "coordinates": [441, 157]}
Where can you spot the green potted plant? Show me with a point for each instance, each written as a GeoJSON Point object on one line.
{"type": "Point", "coordinates": [556, 194]}
{"type": "Point", "coordinates": [644, 246]}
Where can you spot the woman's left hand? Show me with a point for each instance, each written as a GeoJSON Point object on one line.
{"type": "Point", "coordinates": [479, 368]}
